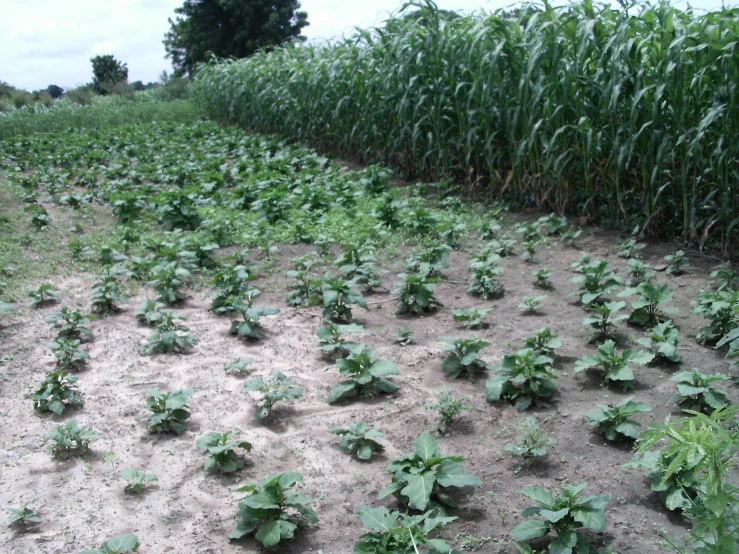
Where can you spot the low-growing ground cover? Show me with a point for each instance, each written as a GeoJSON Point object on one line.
{"type": "Point", "coordinates": [165, 213]}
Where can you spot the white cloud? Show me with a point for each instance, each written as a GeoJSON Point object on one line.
{"type": "Point", "coordinates": [50, 42]}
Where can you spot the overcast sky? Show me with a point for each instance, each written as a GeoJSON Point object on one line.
{"type": "Point", "coordinates": [45, 42]}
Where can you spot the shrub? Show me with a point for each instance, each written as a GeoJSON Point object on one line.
{"type": "Point", "coordinates": [57, 392]}
{"type": "Point", "coordinates": [170, 410]}
{"type": "Point", "coordinates": [337, 296]}
{"type": "Point", "coordinates": [275, 387]}
{"type": "Point", "coordinates": [273, 511]}
{"type": "Point", "coordinates": [69, 438]}
{"type": "Point", "coordinates": [472, 317]}
{"type": "Point", "coordinates": [416, 293]}
{"type": "Point", "coordinates": [522, 378]}
{"type": "Point", "coordinates": [696, 391]}
{"type": "Point", "coordinates": [42, 294]}
{"type": "Point", "coordinates": [137, 480]}
{"type": "Point", "coordinates": [395, 532]}
{"type": "Point", "coordinates": [425, 478]}
{"type": "Point", "coordinates": [68, 324]}
{"type": "Point", "coordinates": [613, 421]}
{"type": "Point", "coordinates": [617, 367]}
{"type": "Point", "coordinates": [462, 356]}
{"type": "Point", "coordinates": [531, 440]}
{"type": "Point", "coordinates": [359, 439]}
{"type": "Point", "coordinates": [366, 374]}
{"type": "Point", "coordinates": [220, 450]}
{"type": "Point", "coordinates": [662, 341]}
{"type": "Point", "coordinates": [564, 514]}
{"type": "Point", "coordinates": [169, 336]}
{"type": "Point", "coordinates": [449, 405]}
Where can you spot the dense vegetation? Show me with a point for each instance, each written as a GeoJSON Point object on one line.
{"type": "Point", "coordinates": [628, 116]}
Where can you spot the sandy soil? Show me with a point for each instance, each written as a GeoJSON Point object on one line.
{"type": "Point", "coordinates": [82, 502]}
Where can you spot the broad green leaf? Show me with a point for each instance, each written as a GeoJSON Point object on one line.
{"type": "Point", "coordinates": [530, 529]}
{"type": "Point", "coordinates": [452, 474]}
{"type": "Point", "coordinates": [269, 533]}
{"type": "Point", "coordinates": [418, 490]}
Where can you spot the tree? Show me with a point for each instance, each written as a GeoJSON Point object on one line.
{"type": "Point", "coordinates": [55, 91]}
{"type": "Point", "coordinates": [230, 28]}
{"type": "Point", "coordinates": [107, 72]}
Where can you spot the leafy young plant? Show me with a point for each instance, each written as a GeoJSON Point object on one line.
{"type": "Point", "coordinates": [250, 327]}
{"type": "Point", "coordinates": [337, 296]}
{"type": "Point", "coordinates": [69, 438]}
{"type": "Point", "coordinates": [617, 367]}
{"type": "Point", "coordinates": [544, 342]}
{"type": "Point", "coordinates": [721, 307]}
{"type": "Point", "coordinates": [42, 294]}
{"type": "Point", "coordinates": [416, 292]}
{"type": "Point", "coordinates": [168, 279]}
{"type": "Point", "coordinates": [613, 421]}
{"type": "Point", "coordinates": [177, 209]}
{"type": "Point", "coordinates": [230, 283]}
{"type": "Point", "coordinates": [274, 387]}
{"type": "Point", "coordinates": [462, 356]}
{"type": "Point", "coordinates": [170, 410]}
{"type": "Point", "coordinates": [169, 336]}
{"type": "Point", "coordinates": [449, 405]}
{"type": "Point", "coordinates": [675, 263]}
{"type": "Point", "coordinates": [69, 324]}
{"type": "Point", "coordinates": [331, 341]}
{"type": "Point", "coordinates": [306, 290]}
{"type": "Point", "coordinates": [23, 516]}
{"type": "Point", "coordinates": [483, 280]}
{"type": "Point", "coordinates": [107, 292]}
{"type": "Point", "coordinates": [117, 545]}
{"type": "Point", "coordinates": [603, 319]}
{"type": "Point", "coordinates": [273, 512]}
{"type": "Point", "coordinates": [543, 278]}
{"type": "Point", "coordinates": [67, 353]}
{"type": "Point", "coordinates": [570, 236]}
{"type": "Point", "coordinates": [424, 478]}
{"type": "Point", "coordinates": [137, 480]}
{"type": "Point", "coordinates": [471, 317]}
{"type": "Point", "coordinates": [662, 340]}
{"type": "Point", "coordinates": [366, 375]}
{"type": "Point", "coordinates": [696, 391]}
{"type": "Point", "coordinates": [404, 336]}
{"type": "Point", "coordinates": [57, 392]}
{"type": "Point", "coordinates": [638, 272]}
{"type": "Point", "coordinates": [628, 248]}
{"type": "Point", "coordinates": [564, 514]}
{"type": "Point", "coordinates": [531, 304]}
{"type": "Point", "coordinates": [394, 532]}
{"type": "Point", "coordinates": [432, 260]}
{"type": "Point", "coordinates": [220, 449]}
{"type": "Point", "coordinates": [150, 312]}
{"type": "Point", "coordinates": [647, 307]}
{"type": "Point", "coordinates": [359, 439]}
{"type": "Point", "coordinates": [240, 365]}
{"type": "Point", "coordinates": [522, 378]}
{"type": "Point", "coordinates": [531, 440]}
{"type": "Point", "coordinates": [596, 281]}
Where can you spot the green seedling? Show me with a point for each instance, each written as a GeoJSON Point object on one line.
{"type": "Point", "coordinates": [696, 391]}
{"type": "Point", "coordinates": [240, 366]}
{"type": "Point", "coordinates": [43, 294]}
{"type": "Point", "coordinates": [522, 378]}
{"type": "Point", "coordinates": [647, 308]}
{"type": "Point", "coordinates": [366, 375]}
{"type": "Point", "coordinates": [69, 324]}
{"type": "Point", "coordinates": [404, 336]}
{"type": "Point", "coordinates": [23, 516]}
{"type": "Point", "coordinates": [274, 388]}
{"type": "Point", "coordinates": [57, 392]}
{"type": "Point", "coordinates": [330, 340]}
{"type": "Point", "coordinates": [531, 304]}
{"type": "Point", "coordinates": [150, 312]}
{"type": "Point", "coordinates": [613, 421]}
{"type": "Point", "coordinates": [662, 340]}
{"type": "Point", "coordinates": [137, 480]}
{"type": "Point", "coordinates": [107, 292]}
{"type": "Point", "coordinates": [359, 439]}
{"type": "Point", "coordinates": [675, 263]}
{"type": "Point", "coordinates": [69, 438]}
{"type": "Point", "coordinates": [531, 440]}
{"type": "Point", "coordinates": [629, 248]}
{"type": "Point", "coordinates": [416, 292]}
{"type": "Point", "coordinates": [117, 545]}
{"type": "Point", "coordinates": [169, 336]}
{"type": "Point", "coordinates": [543, 278]}
{"type": "Point", "coordinates": [471, 317]}
{"type": "Point", "coordinates": [337, 296]}
{"type": "Point", "coordinates": [67, 353]}
{"type": "Point", "coordinates": [603, 319]}
{"type": "Point", "coordinates": [250, 327]}
{"type": "Point", "coordinates": [544, 342]}
{"type": "Point", "coordinates": [170, 410]}
{"type": "Point", "coordinates": [462, 357]}
{"type": "Point", "coordinates": [617, 367]}
{"type": "Point", "coordinates": [449, 405]}
{"type": "Point", "coordinates": [220, 449]}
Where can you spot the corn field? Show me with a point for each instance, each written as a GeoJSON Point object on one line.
{"type": "Point", "coordinates": [628, 116]}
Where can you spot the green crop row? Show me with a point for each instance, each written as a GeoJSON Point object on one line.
{"type": "Point", "coordinates": [629, 116]}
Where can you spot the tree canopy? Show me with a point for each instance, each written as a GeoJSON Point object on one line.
{"type": "Point", "coordinates": [230, 28]}
{"type": "Point", "coordinates": [107, 72]}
